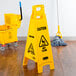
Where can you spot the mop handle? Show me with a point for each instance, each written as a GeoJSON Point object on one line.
{"type": "Point", "coordinates": [20, 10]}
{"type": "Point", "coordinates": [58, 28]}
{"type": "Point", "coordinates": [57, 12]}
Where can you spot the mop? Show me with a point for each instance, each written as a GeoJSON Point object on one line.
{"type": "Point", "coordinates": [57, 41]}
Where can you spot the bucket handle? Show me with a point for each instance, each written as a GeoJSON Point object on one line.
{"type": "Point", "coordinates": [20, 10]}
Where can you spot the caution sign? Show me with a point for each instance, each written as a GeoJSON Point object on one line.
{"type": "Point", "coordinates": [38, 46]}
{"type": "Point", "coordinates": [43, 42]}
{"type": "Point", "coordinates": [31, 49]}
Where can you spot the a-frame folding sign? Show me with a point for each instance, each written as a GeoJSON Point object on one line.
{"type": "Point", "coordinates": [38, 46]}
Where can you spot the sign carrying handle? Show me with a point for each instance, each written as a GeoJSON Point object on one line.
{"type": "Point", "coordinates": [20, 10]}
{"type": "Point", "coordinates": [38, 11]}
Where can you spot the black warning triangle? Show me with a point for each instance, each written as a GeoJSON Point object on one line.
{"type": "Point", "coordinates": [43, 41]}
{"type": "Point", "coordinates": [31, 49]}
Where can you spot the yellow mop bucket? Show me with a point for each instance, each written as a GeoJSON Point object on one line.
{"type": "Point", "coordinates": [8, 32]}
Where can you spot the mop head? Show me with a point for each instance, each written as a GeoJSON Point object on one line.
{"type": "Point", "coordinates": [57, 41]}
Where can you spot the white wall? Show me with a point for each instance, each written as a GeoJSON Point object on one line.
{"type": "Point", "coordinates": [67, 11]}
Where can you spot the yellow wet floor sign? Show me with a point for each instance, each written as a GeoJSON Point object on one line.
{"type": "Point", "coordinates": [38, 46]}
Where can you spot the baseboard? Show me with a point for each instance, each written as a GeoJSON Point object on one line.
{"type": "Point", "coordinates": [22, 38]}
{"type": "Point", "coordinates": [69, 38]}
{"type": "Point", "coordinates": [51, 38]}
{"type": "Point", "coordinates": [66, 38]}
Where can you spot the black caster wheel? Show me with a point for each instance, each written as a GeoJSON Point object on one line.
{"type": "Point", "coordinates": [2, 48]}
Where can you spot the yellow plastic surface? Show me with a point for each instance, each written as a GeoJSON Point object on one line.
{"type": "Point", "coordinates": [8, 36]}
{"type": "Point", "coordinates": [13, 20]}
{"type": "Point", "coordinates": [38, 46]}
{"type": "Point", "coordinates": [59, 33]}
